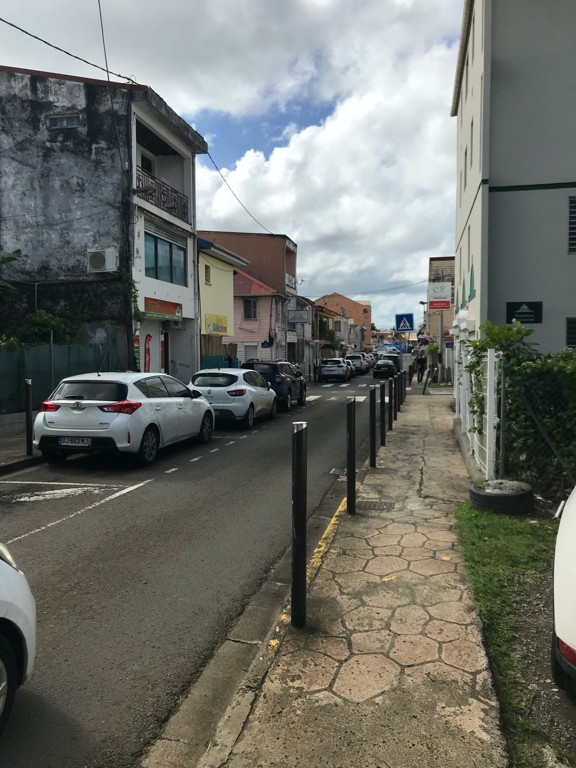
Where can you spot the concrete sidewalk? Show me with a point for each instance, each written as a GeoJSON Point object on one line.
{"type": "Point", "coordinates": [390, 671]}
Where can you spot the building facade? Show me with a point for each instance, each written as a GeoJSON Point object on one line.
{"type": "Point", "coordinates": [358, 315]}
{"type": "Point", "coordinates": [100, 200]}
{"type": "Point", "coordinates": [516, 169]}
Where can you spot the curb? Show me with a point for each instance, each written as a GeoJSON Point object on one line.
{"type": "Point", "coordinates": [14, 466]}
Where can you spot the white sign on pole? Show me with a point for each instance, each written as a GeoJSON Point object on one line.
{"type": "Point", "coordinates": [439, 295]}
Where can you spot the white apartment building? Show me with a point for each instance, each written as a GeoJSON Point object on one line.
{"type": "Point", "coordinates": [516, 196]}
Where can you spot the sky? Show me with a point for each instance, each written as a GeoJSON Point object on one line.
{"type": "Point", "coordinates": [329, 120]}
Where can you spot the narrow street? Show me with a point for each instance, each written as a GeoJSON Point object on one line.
{"type": "Point", "coordinates": [138, 573]}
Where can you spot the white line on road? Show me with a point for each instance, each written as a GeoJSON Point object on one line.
{"type": "Point", "coordinates": [214, 450]}
{"type": "Point", "coordinates": [197, 458]}
{"type": "Point", "coordinates": [232, 442]}
{"type": "Point", "coordinates": [39, 482]}
{"type": "Point", "coordinates": [310, 398]}
{"type": "Point", "coordinates": [174, 469]}
{"type": "Point", "coordinates": [81, 511]}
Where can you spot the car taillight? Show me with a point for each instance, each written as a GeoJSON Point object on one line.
{"type": "Point", "coordinates": [568, 652]}
{"type": "Point", "coordinates": [48, 405]}
{"type": "Point", "coordinates": [123, 406]}
{"type": "Point", "coordinates": [236, 392]}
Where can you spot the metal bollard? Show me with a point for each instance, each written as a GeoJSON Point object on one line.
{"type": "Point", "coordinates": [391, 403]}
{"type": "Point", "coordinates": [396, 393]}
{"type": "Point", "coordinates": [382, 413]}
{"type": "Point", "coordinates": [299, 491]}
{"type": "Point", "coordinates": [29, 425]}
{"type": "Point", "coordinates": [372, 426]}
{"type": "Point", "coordinates": [351, 456]}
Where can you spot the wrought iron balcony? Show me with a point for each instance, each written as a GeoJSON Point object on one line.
{"type": "Point", "coordinates": [167, 198]}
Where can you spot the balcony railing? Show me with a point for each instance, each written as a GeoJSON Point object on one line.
{"type": "Point", "coordinates": [167, 198]}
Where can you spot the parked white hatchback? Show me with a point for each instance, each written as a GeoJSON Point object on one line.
{"type": "Point", "coordinates": [17, 632]}
{"type": "Point", "coordinates": [136, 413]}
{"type": "Point", "coordinates": [236, 394]}
{"type": "Point", "coordinates": [564, 634]}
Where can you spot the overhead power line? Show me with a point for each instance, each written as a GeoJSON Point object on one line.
{"type": "Point", "coordinates": [62, 50]}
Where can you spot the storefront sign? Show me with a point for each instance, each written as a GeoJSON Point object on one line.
{"type": "Point", "coordinates": [163, 309]}
{"type": "Point", "coordinates": [439, 295]}
{"type": "Point", "coordinates": [524, 311]}
{"type": "Point", "coordinates": [216, 325]}
{"type": "Point", "coordinates": [297, 315]}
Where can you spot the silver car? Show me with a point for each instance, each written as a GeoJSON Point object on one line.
{"type": "Point", "coordinates": [136, 413]}
{"type": "Point", "coordinates": [334, 368]}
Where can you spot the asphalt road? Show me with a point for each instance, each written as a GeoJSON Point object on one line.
{"type": "Point", "coordinates": [138, 573]}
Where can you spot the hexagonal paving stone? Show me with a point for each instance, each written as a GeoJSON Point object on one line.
{"type": "Point", "coordinates": [352, 542]}
{"type": "Point", "coordinates": [415, 553]}
{"type": "Point", "coordinates": [386, 565]}
{"type": "Point", "coordinates": [344, 563]}
{"type": "Point", "coordinates": [395, 550]}
{"type": "Point", "coordinates": [306, 670]}
{"type": "Point", "coordinates": [444, 631]}
{"type": "Point", "coordinates": [408, 620]}
{"type": "Point", "coordinates": [365, 676]}
{"type": "Point", "coordinates": [353, 583]}
{"type": "Point", "coordinates": [401, 528]}
{"type": "Point", "coordinates": [383, 540]}
{"type": "Point", "coordinates": [335, 647]}
{"type": "Point", "coordinates": [412, 540]}
{"type": "Point", "coordinates": [414, 649]}
{"type": "Point", "coordinates": [368, 618]}
{"type": "Point", "coordinates": [373, 641]}
{"type": "Point", "coordinates": [437, 672]}
{"type": "Point", "coordinates": [457, 612]}
{"type": "Point", "coordinates": [390, 595]}
{"type": "Point", "coordinates": [431, 567]}
{"type": "Point", "coordinates": [464, 655]}
{"type": "Point", "coordinates": [442, 535]}
{"type": "Point", "coordinates": [436, 545]}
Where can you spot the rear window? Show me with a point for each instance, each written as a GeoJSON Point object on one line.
{"type": "Point", "coordinates": [109, 391]}
{"type": "Point", "coordinates": [214, 379]}
{"type": "Point", "coordinates": [354, 357]}
{"type": "Point", "coordinates": [335, 361]}
{"type": "Point", "coordinates": [265, 367]}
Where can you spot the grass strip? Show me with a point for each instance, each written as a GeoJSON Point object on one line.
{"type": "Point", "coordinates": [503, 557]}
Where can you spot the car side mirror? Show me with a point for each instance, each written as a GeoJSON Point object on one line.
{"type": "Point", "coordinates": [194, 394]}
{"type": "Point", "coordinates": [268, 385]}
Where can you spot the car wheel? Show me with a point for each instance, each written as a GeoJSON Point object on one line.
{"type": "Point", "coordinates": [206, 428]}
{"type": "Point", "coordinates": [560, 677]}
{"type": "Point", "coordinates": [8, 680]}
{"type": "Point", "coordinates": [53, 455]}
{"type": "Point", "coordinates": [273, 410]}
{"type": "Point", "coordinates": [287, 404]}
{"type": "Point", "coordinates": [248, 420]}
{"type": "Point", "coordinates": [148, 447]}
{"type": "Point", "coordinates": [302, 398]}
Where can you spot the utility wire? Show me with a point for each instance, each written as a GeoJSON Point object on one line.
{"type": "Point", "coordinates": [110, 89]}
{"type": "Point", "coordinates": [236, 196]}
{"type": "Point", "coordinates": [79, 58]}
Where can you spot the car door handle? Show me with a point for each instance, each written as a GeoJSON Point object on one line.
{"type": "Point", "coordinates": [157, 407]}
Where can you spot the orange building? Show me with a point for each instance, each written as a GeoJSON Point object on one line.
{"type": "Point", "coordinates": [360, 312]}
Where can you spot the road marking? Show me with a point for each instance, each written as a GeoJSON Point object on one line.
{"type": "Point", "coordinates": [80, 511]}
{"type": "Point", "coordinates": [174, 469]}
{"type": "Point", "coordinates": [333, 398]}
{"type": "Point", "coordinates": [214, 450]}
{"type": "Point", "coordinates": [58, 493]}
{"type": "Point", "coordinates": [361, 398]}
{"type": "Point", "coordinates": [39, 482]}
{"type": "Point", "coordinates": [197, 458]}
{"type": "Point", "coordinates": [232, 442]}
{"type": "Point", "coordinates": [326, 386]}
{"type": "Point", "coordinates": [311, 398]}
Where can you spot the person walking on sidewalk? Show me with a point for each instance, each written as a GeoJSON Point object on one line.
{"type": "Point", "coordinates": [421, 365]}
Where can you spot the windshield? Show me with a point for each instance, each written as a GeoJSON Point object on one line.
{"type": "Point", "coordinates": [216, 379]}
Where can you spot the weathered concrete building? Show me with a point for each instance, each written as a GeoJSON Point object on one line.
{"type": "Point", "coordinates": [97, 191]}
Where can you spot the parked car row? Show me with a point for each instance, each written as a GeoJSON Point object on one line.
{"type": "Point", "coordinates": [140, 413]}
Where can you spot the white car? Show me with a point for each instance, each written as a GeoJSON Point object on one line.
{"type": "Point", "coordinates": [136, 413]}
{"type": "Point", "coordinates": [236, 394]}
{"type": "Point", "coordinates": [17, 632]}
{"type": "Point", "coordinates": [334, 368]}
{"type": "Point", "coordinates": [564, 634]}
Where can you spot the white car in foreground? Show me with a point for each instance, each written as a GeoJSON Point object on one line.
{"type": "Point", "coordinates": [136, 413]}
{"type": "Point", "coordinates": [564, 635]}
{"type": "Point", "coordinates": [236, 394]}
{"type": "Point", "coordinates": [17, 632]}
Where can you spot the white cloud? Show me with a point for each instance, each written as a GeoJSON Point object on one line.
{"type": "Point", "coordinates": [368, 195]}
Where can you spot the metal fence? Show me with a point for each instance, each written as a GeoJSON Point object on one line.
{"type": "Point", "coordinates": [45, 365]}
{"type": "Point", "coordinates": [531, 436]}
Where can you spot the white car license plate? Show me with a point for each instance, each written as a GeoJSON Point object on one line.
{"type": "Point", "coordinates": [75, 442]}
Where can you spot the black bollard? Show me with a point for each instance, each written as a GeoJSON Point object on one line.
{"type": "Point", "coordinates": [372, 426]}
{"type": "Point", "coordinates": [29, 424]}
{"type": "Point", "coordinates": [382, 413]}
{"type": "Point", "coordinates": [391, 403]}
{"type": "Point", "coordinates": [299, 490]}
{"type": "Point", "coordinates": [351, 456]}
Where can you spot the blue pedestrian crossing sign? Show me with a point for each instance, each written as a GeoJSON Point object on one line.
{"type": "Point", "coordinates": [405, 322]}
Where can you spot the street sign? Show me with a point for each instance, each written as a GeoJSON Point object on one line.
{"type": "Point", "coordinates": [405, 323]}
{"type": "Point", "coordinates": [439, 295]}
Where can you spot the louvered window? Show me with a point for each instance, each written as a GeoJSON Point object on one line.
{"type": "Point", "coordinates": [572, 225]}
{"type": "Point", "coordinates": [571, 331]}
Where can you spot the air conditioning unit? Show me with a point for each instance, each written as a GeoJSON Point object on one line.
{"type": "Point", "coordinates": [173, 325]}
{"type": "Point", "coordinates": [102, 260]}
